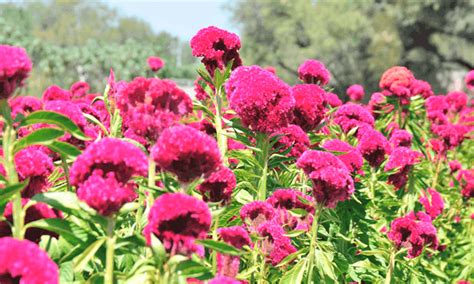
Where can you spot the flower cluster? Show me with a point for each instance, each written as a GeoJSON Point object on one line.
{"type": "Point", "coordinates": [401, 158]}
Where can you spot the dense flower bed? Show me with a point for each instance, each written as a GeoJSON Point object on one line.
{"type": "Point", "coordinates": [250, 181]}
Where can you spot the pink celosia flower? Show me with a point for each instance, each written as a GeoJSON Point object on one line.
{"type": "Point", "coordinates": [236, 236]}
{"type": "Point", "coordinates": [24, 105]}
{"type": "Point", "coordinates": [155, 63]}
{"type": "Point", "coordinates": [292, 137]}
{"type": "Point", "coordinates": [351, 115]}
{"type": "Point", "coordinates": [289, 199]}
{"type": "Point", "coordinates": [178, 220]}
{"type": "Point", "coordinates": [466, 180]}
{"type": "Point", "coordinates": [469, 80]}
{"type": "Point", "coordinates": [455, 166]}
{"type": "Point", "coordinates": [275, 245]}
{"type": "Point", "coordinates": [420, 87]}
{"type": "Point", "coordinates": [331, 178]}
{"type": "Point", "coordinates": [217, 48]}
{"type": "Point", "coordinates": [186, 152]}
{"type": "Point", "coordinates": [349, 155]}
{"type": "Point", "coordinates": [204, 126]}
{"type": "Point", "coordinates": [23, 261]}
{"type": "Point", "coordinates": [355, 92]}
{"type": "Point", "coordinates": [373, 146]}
{"type": "Point", "coordinates": [451, 134]}
{"type": "Point", "coordinates": [333, 100]}
{"type": "Point", "coordinates": [218, 186]}
{"type": "Point", "coordinates": [255, 213]}
{"type": "Point", "coordinates": [310, 102]}
{"type": "Point", "coordinates": [463, 282]}
{"type": "Point", "coordinates": [457, 101]}
{"type": "Point", "coordinates": [313, 72]}
{"type": "Point", "coordinates": [401, 158]}
{"type": "Point", "coordinates": [33, 164]}
{"type": "Point", "coordinates": [413, 232]}
{"type": "Point", "coordinates": [224, 280]}
{"type": "Point", "coordinates": [55, 93]}
{"type": "Point", "coordinates": [79, 89]}
{"type": "Point", "coordinates": [435, 206]}
{"type": "Point", "coordinates": [15, 66]}
{"type": "Point", "coordinates": [400, 138]}
{"type": "Point", "coordinates": [260, 99]}
{"type": "Point", "coordinates": [201, 94]}
{"type": "Point", "coordinates": [397, 80]}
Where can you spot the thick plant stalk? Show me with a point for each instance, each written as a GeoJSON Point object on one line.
{"type": "Point", "coordinates": [312, 246]}
{"type": "Point", "coordinates": [391, 266]}
{"type": "Point", "coordinates": [265, 148]}
{"type": "Point", "coordinates": [109, 260]}
{"type": "Point", "coordinates": [214, 237]}
{"type": "Point", "coordinates": [220, 132]}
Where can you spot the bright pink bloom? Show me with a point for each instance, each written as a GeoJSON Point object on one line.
{"type": "Point", "coordinates": [224, 280]}
{"type": "Point", "coordinates": [469, 80]}
{"type": "Point", "coordinates": [155, 63]}
{"type": "Point", "coordinates": [349, 116]}
{"type": "Point", "coordinates": [310, 102]}
{"type": "Point", "coordinates": [420, 87]}
{"type": "Point", "coordinates": [178, 220]}
{"type": "Point", "coordinates": [333, 100]}
{"type": "Point", "coordinates": [313, 72]}
{"type": "Point", "coordinates": [55, 93]}
{"type": "Point", "coordinates": [355, 92]}
{"type": "Point", "coordinates": [373, 146]}
{"type": "Point", "coordinates": [455, 166]}
{"type": "Point", "coordinates": [435, 206]}
{"type": "Point", "coordinates": [33, 164]}
{"type": "Point", "coordinates": [451, 134]}
{"type": "Point", "coordinates": [401, 158]}
{"type": "Point", "coordinates": [291, 199]}
{"type": "Point", "coordinates": [400, 138]}
{"type": "Point", "coordinates": [457, 101]}
{"type": "Point", "coordinates": [15, 67]}
{"type": "Point", "coordinates": [236, 236]}
{"type": "Point", "coordinates": [22, 261]}
{"type": "Point", "coordinates": [466, 180]}
{"type": "Point", "coordinates": [292, 137]}
{"type": "Point", "coordinates": [79, 89]}
{"type": "Point", "coordinates": [276, 246]}
{"type": "Point", "coordinates": [201, 93]}
{"type": "Point", "coordinates": [262, 101]}
{"type": "Point", "coordinates": [218, 186]}
{"type": "Point", "coordinates": [255, 213]}
{"type": "Point", "coordinates": [186, 152]}
{"type": "Point", "coordinates": [349, 155]}
{"type": "Point", "coordinates": [397, 80]}
{"type": "Point", "coordinates": [25, 105]}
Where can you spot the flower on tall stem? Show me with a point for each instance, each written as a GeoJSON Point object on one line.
{"type": "Point", "coordinates": [275, 245]}
{"type": "Point", "coordinates": [313, 72]}
{"type": "Point", "coordinates": [218, 186]}
{"type": "Point", "coordinates": [355, 92]}
{"type": "Point", "coordinates": [228, 265]}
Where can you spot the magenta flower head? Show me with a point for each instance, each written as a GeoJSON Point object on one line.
{"type": "Point", "coordinates": [400, 138]}
{"type": "Point", "coordinates": [452, 135]}
{"type": "Point", "coordinates": [79, 89]}
{"type": "Point", "coordinates": [413, 232]}
{"type": "Point", "coordinates": [275, 245]}
{"type": "Point", "coordinates": [401, 158]}
{"type": "Point", "coordinates": [55, 93]}
{"type": "Point", "coordinates": [333, 100]}
{"type": "Point", "coordinates": [349, 116]}
{"type": "Point", "coordinates": [420, 87]}
{"type": "Point", "coordinates": [373, 146]}
{"type": "Point", "coordinates": [22, 261]}
{"type": "Point", "coordinates": [435, 206]}
{"type": "Point", "coordinates": [313, 72]}
{"type": "Point", "coordinates": [217, 48]}
{"type": "Point", "coordinates": [469, 80]}
{"type": "Point", "coordinates": [457, 101]}
{"type": "Point", "coordinates": [398, 81]}
{"type": "Point", "coordinates": [236, 236]}
{"type": "Point", "coordinates": [218, 186]}
{"type": "Point", "coordinates": [177, 220]}
{"type": "Point", "coordinates": [262, 101]}
{"type": "Point", "coordinates": [310, 102]}
{"type": "Point", "coordinates": [455, 166]}
{"type": "Point", "coordinates": [292, 137]}
{"type": "Point", "coordinates": [466, 180]}
{"type": "Point", "coordinates": [33, 164]}
{"type": "Point", "coordinates": [332, 181]}
{"type": "Point", "coordinates": [291, 199]}
{"type": "Point", "coordinates": [103, 172]}
{"type": "Point", "coordinates": [355, 92]}
{"type": "Point", "coordinates": [24, 105]}
{"type": "Point", "coordinates": [255, 213]}
{"type": "Point", "coordinates": [155, 63]}
{"type": "Point", "coordinates": [186, 152]}
{"type": "Point", "coordinates": [15, 66]}
{"type": "Point", "coordinates": [224, 280]}
{"type": "Point", "coordinates": [349, 155]}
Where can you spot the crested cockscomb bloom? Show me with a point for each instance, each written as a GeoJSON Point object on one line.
{"type": "Point", "coordinates": [201, 93]}
{"type": "Point", "coordinates": [56, 93]}
{"type": "Point", "coordinates": [466, 181]}
{"type": "Point", "coordinates": [218, 186]}
{"type": "Point", "coordinates": [25, 105]}
{"type": "Point", "coordinates": [313, 72]}
{"type": "Point", "coordinates": [349, 116]}
{"type": "Point", "coordinates": [401, 158]}
{"type": "Point", "coordinates": [457, 101]}
{"type": "Point", "coordinates": [22, 261]}
{"type": "Point", "coordinates": [349, 155]}
{"type": "Point", "coordinates": [217, 48]}
{"type": "Point", "coordinates": [310, 102]}
{"type": "Point", "coordinates": [333, 100]}
{"type": "Point", "coordinates": [155, 63]}
{"type": "Point", "coordinates": [177, 220]}
{"type": "Point", "coordinates": [332, 181]}
{"type": "Point", "coordinates": [400, 138]}
{"type": "Point", "coordinates": [79, 89]}
{"type": "Point", "coordinates": [292, 137]}
{"type": "Point", "coordinates": [103, 172]}
{"type": "Point", "coordinates": [204, 126]}
{"type": "Point", "coordinates": [286, 198]}
{"type": "Point", "coordinates": [355, 92]}
{"type": "Point", "coordinates": [255, 213]}
{"type": "Point", "coordinates": [469, 80]}
{"type": "Point", "coordinates": [413, 232]}
{"type": "Point", "coordinates": [397, 80]}
{"type": "Point", "coordinates": [420, 87]}
{"type": "Point", "coordinates": [15, 66]}
{"type": "Point", "coordinates": [275, 245]}
{"type": "Point", "coordinates": [35, 212]}
{"type": "Point", "coordinates": [451, 134]}
{"type": "Point", "coordinates": [262, 101]}
{"type": "Point", "coordinates": [433, 206]}
{"type": "Point", "coordinates": [186, 152]}
{"type": "Point", "coordinates": [33, 164]}
{"type": "Point", "coordinates": [436, 109]}
{"type": "Point", "coordinates": [373, 146]}
{"type": "Point", "coordinates": [455, 166]}
{"type": "Point", "coordinates": [236, 236]}
{"type": "Point", "coordinates": [377, 104]}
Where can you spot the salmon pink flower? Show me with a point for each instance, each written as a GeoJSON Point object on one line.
{"type": "Point", "coordinates": [398, 81]}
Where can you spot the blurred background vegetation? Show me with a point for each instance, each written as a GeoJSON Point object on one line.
{"type": "Point", "coordinates": [357, 40]}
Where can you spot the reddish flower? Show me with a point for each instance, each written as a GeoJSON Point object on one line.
{"type": "Point", "coordinates": [55, 93]}
{"type": "Point", "coordinates": [291, 199]}
{"type": "Point", "coordinates": [351, 115]}
{"type": "Point", "coordinates": [201, 93]}
{"type": "Point", "coordinates": [217, 48]}
{"type": "Point", "coordinates": [33, 164]}
{"type": "Point", "coordinates": [333, 100]}
{"type": "Point", "coordinates": [397, 80]}
{"type": "Point", "coordinates": [260, 99]}
{"type": "Point", "coordinates": [373, 146]}
{"type": "Point", "coordinates": [276, 246]}
{"type": "Point", "coordinates": [218, 186]}
{"type": "Point", "coordinates": [155, 63]}
{"type": "Point", "coordinates": [400, 138]}
{"type": "Point", "coordinates": [25, 105]}
{"type": "Point", "coordinates": [271, 69]}
{"type": "Point", "coordinates": [310, 101]}
{"type": "Point", "coordinates": [15, 66]}
{"type": "Point", "coordinates": [355, 92]}
{"type": "Point", "coordinates": [377, 104]}
{"type": "Point", "coordinates": [420, 87]}
{"type": "Point", "coordinates": [469, 80]}
{"type": "Point", "coordinates": [331, 179]}
{"type": "Point", "coordinates": [22, 261]}
{"type": "Point", "coordinates": [177, 220]}
{"type": "Point", "coordinates": [79, 89]}
{"type": "Point", "coordinates": [292, 137]}
{"type": "Point", "coordinates": [402, 158]}
{"type": "Point", "coordinates": [204, 126]}
{"type": "Point", "coordinates": [349, 155]}
{"type": "Point", "coordinates": [435, 206]}
{"type": "Point", "coordinates": [255, 213]}
{"type": "Point", "coordinates": [455, 166]}
{"type": "Point", "coordinates": [313, 72]}
{"type": "Point", "coordinates": [451, 134]}
{"type": "Point", "coordinates": [457, 101]}
{"type": "Point", "coordinates": [237, 236]}
{"type": "Point", "coordinates": [466, 180]}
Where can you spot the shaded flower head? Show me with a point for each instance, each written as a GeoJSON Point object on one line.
{"type": "Point", "coordinates": [25, 105]}
{"type": "Point", "coordinates": [373, 146]}
{"type": "Point", "coordinates": [155, 63]}
{"type": "Point", "coordinates": [400, 138]}
{"type": "Point", "coordinates": [349, 155]}
{"type": "Point", "coordinates": [397, 80]}
{"type": "Point", "coordinates": [56, 93]}
{"type": "Point", "coordinates": [310, 102]}
{"type": "Point", "coordinates": [224, 280]}
{"type": "Point", "coordinates": [455, 166]}
{"type": "Point", "coordinates": [451, 134]}
{"type": "Point", "coordinates": [457, 100]}
{"type": "Point", "coordinates": [79, 89]}
{"type": "Point", "coordinates": [349, 116]}
{"type": "Point", "coordinates": [401, 158]}
{"type": "Point", "coordinates": [256, 212]}
{"type": "Point", "coordinates": [355, 92]}
{"type": "Point", "coordinates": [333, 100]}
{"type": "Point", "coordinates": [218, 186]}
{"type": "Point", "coordinates": [469, 80]}
{"type": "Point", "coordinates": [33, 164]}
{"type": "Point", "coordinates": [434, 206]}
{"type": "Point", "coordinates": [236, 236]}
{"type": "Point", "coordinates": [291, 199]}
{"type": "Point", "coordinates": [275, 245]}
{"type": "Point", "coordinates": [292, 137]}
{"type": "Point", "coordinates": [466, 181]}
{"type": "Point", "coordinates": [15, 67]}
{"type": "Point", "coordinates": [420, 87]}
{"type": "Point", "coordinates": [313, 72]}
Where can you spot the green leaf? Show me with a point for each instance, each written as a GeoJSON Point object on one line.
{"type": "Point", "coordinates": [57, 119]}
{"type": "Point", "coordinates": [8, 192]}
{"type": "Point", "coordinates": [193, 269]}
{"type": "Point", "coordinates": [220, 247]}
{"type": "Point", "coordinates": [158, 249]}
{"type": "Point", "coordinates": [64, 149]}
{"type": "Point", "coordinates": [63, 201]}
{"type": "Point", "coordinates": [81, 260]}
{"type": "Point", "coordinates": [60, 226]}
{"type": "Point", "coordinates": [66, 272]}
{"type": "Point", "coordinates": [295, 274]}
{"type": "Point", "coordinates": [41, 136]}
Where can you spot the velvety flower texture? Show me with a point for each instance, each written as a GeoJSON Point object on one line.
{"type": "Point", "coordinates": [355, 92]}
{"type": "Point", "coordinates": [402, 158]}
{"type": "Point", "coordinates": [217, 48]}
{"type": "Point", "coordinates": [288, 199]}
{"type": "Point", "coordinates": [15, 66]}
{"type": "Point", "coordinates": [333, 100]}
{"type": "Point", "coordinates": [186, 152]}
{"type": "Point", "coordinates": [310, 102]}
{"type": "Point", "coordinates": [434, 206]}
{"type": "Point", "coordinates": [155, 63]}
{"type": "Point", "coordinates": [25, 105]}
{"type": "Point", "coordinates": [275, 244]}
{"type": "Point", "coordinates": [103, 171]}
{"type": "Point", "coordinates": [420, 87]}
{"type": "Point", "coordinates": [292, 137]}
{"type": "Point", "coordinates": [397, 80]}
{"type": "Point", "coordinates": [349, 116]}
{"type": "Point", "coordinates": [466, 180]}
{"type": "Point", "coordinates": [373, 146]}
{"type": "Point", "coordinates": [413, 232]}
{"type": "Point", "coordinates": [349, 155]}
{"type": "Point", "coordinates": [451, 134]}
{"type": "Point", "coordinates": [79, 89]}
{"type": "Point", "coordinates": [177, 220]}
{"type": "Point", "coordinates": [33, 164]}
{"type": "Point", "coordinates": [469, 80]}
{"type": "Point", "coordinates": [255, 213]}
{"type": "Point", "coordinates": [56, 93]}
{"type": "Point", "coordinates": [400, 138]}
{"type": "Point", "coordinates": [455, 166]}
{"type": "Point", "coordinates": [332, 181]}
{"type": "Point", "coordinates": [457, 101]}
{"type": "Point", "coordinates": [262, 101]}
{"type": "Point", "coordinates": [22, 261]}
{"type": "Point", "coordinates": [218, 186]}
{"type": "Point", "coordinates": [228, 265]}
{"type": "Point", "coordinates": [313, 72]}
{"type": "Point", "coordinates": [201, 93]}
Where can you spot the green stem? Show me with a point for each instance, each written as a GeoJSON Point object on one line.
{"type": "Point", "coordinates": [373, 181]}
{"type": "Point", "coordinates": [265, 147]}
{"type": "Point", "coordinates": [109, 260]}
{"type": "Point", "coordinates": [391, 266]}
{"type": "Point", "coordinates": [261, 278]}
{"type": "Point", "coordinates": [66, 172]}
{"type": "Point", "coordinates": [214, 237]}
{"type": "Point", "coordinates": [220, 132]}
{"type": "Point", "coordinates": [436, 174]}
{"type": "Point", "coordinates": [312, 246]}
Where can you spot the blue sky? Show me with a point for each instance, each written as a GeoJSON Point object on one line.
{"type": "Point", "coordinates": [182, 18]}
